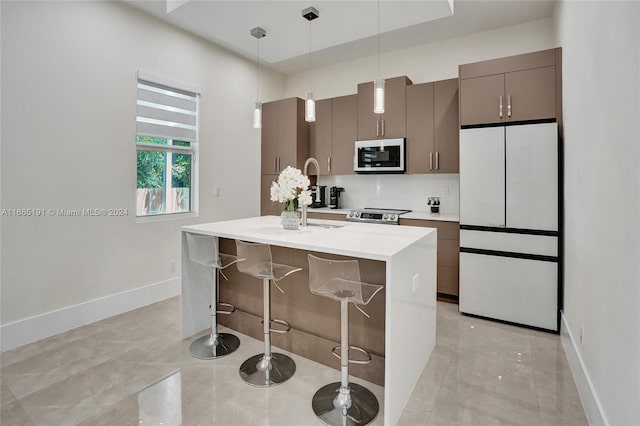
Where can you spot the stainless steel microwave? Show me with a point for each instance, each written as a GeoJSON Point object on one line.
{"type": "Point", "coordinates": [380, 156]}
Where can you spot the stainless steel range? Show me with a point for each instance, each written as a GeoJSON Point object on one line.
{"type": "Point", "coordinates": [384, 216]}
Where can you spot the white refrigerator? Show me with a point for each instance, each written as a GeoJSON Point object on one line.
{"type": "Point", "coordinates": [509, 216]}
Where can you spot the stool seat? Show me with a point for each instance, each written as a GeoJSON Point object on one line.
{"type": "Point", "coordinates": [203, 250]}
{"type": "Point", "coordinates": [343, 403]}
{"type": "Point", "coordinates": [350, 291]}
{"type": "Point", "coordinates": [269, 270]}
{"type": "Point", "coordinates": [265, 369]}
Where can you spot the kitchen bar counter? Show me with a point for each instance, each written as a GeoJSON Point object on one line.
{"type": "Point", "coordinates": [407, 256]}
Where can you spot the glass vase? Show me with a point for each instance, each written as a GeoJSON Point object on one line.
{"type": "Point", "coordinates": [290, 220]}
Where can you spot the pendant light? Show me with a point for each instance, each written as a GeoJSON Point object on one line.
{"type": "Point", "coordinates": [258, 33]}
{"type": "Point", "coordinates": [378, 85]}
{"type": "Point", "coordinates": [310, 14]}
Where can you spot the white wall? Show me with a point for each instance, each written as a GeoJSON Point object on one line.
{"type": "Point", "coordinates": [68, 141]}
{"type": "Point", "coordinates": [601, 93]}
{"type": "Point", "coordinates": [427, 62]}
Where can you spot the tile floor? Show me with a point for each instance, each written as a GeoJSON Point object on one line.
{"type": "Point", "coordinates": [133, 369]}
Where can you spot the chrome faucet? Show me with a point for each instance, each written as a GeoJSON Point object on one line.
{"type": "Point", "coordinates": [304, 172]}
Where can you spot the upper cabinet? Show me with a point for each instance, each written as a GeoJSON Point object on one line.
{"type": "Point", "coordinates": [446, 126]}
{"type": "Point", "coordinates": [420, 137]}
{"type": "Point", "coordinates": [344, 132]}
{"type": "Point", "coordinates": [285, 135]}
{"type": "Point", "coordinates": [432, 127]}
{"type": "Point", "coordinates": [320, 136]}
{"type": "Point", "coordinates": [391, 124]}
{"type": "Point", "coordinates": [332, 136]}
{"type": "Point", "coordinates": [516, 88]}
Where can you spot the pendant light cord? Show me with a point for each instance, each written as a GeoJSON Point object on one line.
{"type": "Point", "coordinates": [309, 62]}
{"type": "Point", "coordinates": [379, 73]}
{"type": "Point", "coordinates": [257, 69]}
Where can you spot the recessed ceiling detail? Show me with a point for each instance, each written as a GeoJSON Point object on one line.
{"type": "Point", "coordinates": [347, 29]}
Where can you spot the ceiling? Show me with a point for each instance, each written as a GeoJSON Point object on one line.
{"type": "Point", "coordinates": [345, 29]}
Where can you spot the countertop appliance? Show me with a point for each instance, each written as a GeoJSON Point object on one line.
{"type": "Point", "coordinates": [335, 193]}
{"type": "Point", "coordinates": [318, 196]}
{"type": "Point", "coordinates": [509, 215]}
{"type": "Point", "coordinates": [380, 156]}
{"type": "Point", "coordinates": [370, 215]}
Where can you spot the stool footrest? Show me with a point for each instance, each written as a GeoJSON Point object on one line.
{"type": "Point", "coordinates": [336, 352]}
{"type": "Point", "coordinates": [281, 322]}
{"type": "Point", "coordinates": [231, 309]}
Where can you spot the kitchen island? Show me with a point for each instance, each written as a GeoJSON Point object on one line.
{"type": "Point", "coordinates": [402, 258]}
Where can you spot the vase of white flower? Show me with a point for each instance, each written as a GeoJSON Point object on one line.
{"type": "Point", "coordinates": [285, 190]}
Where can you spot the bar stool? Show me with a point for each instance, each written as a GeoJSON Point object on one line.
{"type": "Point", "coordinates": [343, 403]}
{"type": "Point", "coordinates": [203, 250]}
{"type": "Point", "coordinates": [265, 369]}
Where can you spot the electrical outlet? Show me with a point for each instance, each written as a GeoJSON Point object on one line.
{"type": "Point", "coordinates": [581, 334]}
{"type": "Point", "coordinates": [216, 191]}
{"type": "Point", "coordinates": [445, 191]}
{"type": "Point", "coordinates": [172, 265]}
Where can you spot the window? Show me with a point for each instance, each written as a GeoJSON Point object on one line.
{"type": "Point", "coordinates": [166, 142]}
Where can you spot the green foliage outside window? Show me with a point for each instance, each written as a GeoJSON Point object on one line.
{"type": "Point", "coordinates": [150, 165]}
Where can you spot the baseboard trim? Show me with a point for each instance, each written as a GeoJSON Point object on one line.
{"type": "Point", "coordinates": [32, 329]}
{"type": "Point", "coordinates": [588, 395]}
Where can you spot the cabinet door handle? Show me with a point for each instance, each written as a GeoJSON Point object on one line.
{"type": "Point", "coordinates": [437, 160]}
{"type": "Point", "coordinates": [431, 161]}
{"type": "Point", "coordinates": [328, 164]}
{"type": "Point", "coordinates": [275, 164]}
{"type": "Point", "coordinates": [382, 127]}
{"type": "Point", "coordinates": [508, 105]}
{"type": "Point", "coordinates": [500, 109]}
{"type": "Point", "coordinates": [377, 128]}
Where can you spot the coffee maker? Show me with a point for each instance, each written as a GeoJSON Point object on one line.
{"type": "Point", "coordinates": [318, 196]}
{"type": "Point", "coordinates": [334, 197]}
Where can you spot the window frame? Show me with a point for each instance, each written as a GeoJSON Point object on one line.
{"type": "Point", "coordinates": [192, 150]}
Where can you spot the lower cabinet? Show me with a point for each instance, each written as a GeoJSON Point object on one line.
{"type": "Point", "coordinates": [448, 255]}
{"type": "Point", "coordinates": [268, 207]}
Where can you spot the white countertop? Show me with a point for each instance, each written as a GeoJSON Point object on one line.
{"type": "Point", "coordinates": [365, 240]}
{"type": "Point", "coordinates": [421, 215]}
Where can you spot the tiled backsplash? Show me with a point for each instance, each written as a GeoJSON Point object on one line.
{"type": "Point", "coordinates": [397, 191]}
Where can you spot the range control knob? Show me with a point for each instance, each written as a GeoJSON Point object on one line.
{"type": "Point", "coordinates": [350, 214]}
{"type": "Point", "coordinates": [386, 216]}
{"type": "Point", "coordinates": [393, 217]}
{"type": "Point", "coordinates": [357, 214]}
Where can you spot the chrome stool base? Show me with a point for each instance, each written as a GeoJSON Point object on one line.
{"type": "Point", "coordinates": [257, 372]}
{"type": "Point", "coordinates": [207, 348]}
{"type": "Point", "coordinates": [364, 406]}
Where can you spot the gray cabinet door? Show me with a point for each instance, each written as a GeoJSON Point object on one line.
{"type": "Point", "coordinates": [531, 94]}
{"type": "Point", "coordinates": [269, 131]}
{"type": "Point", "coordinates": [446, 126]}
{"type": "Point", "coordinates": [344, 134]}
{"type": "Point", "coordinates": [320, 139]}
{"type": "Point", "coordinates": [420, 146]}
{"type": "Point", "coordinates": [480, 100]}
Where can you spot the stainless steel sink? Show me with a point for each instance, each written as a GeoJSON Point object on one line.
{"type": "Point", "coordinates": [326, 225]}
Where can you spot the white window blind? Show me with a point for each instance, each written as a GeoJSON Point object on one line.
{"type": "Point", "coordinates": [166, 112]}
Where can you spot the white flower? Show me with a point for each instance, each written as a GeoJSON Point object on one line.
{"type": "Point", "coordinates": [305, 197]}
{"type": "Point", "coordinates": [287, 185]}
